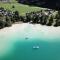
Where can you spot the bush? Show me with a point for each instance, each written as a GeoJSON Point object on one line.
{"type": "Point", "coordinates": [8, 21]}
{"type": "Point", "coordinates": [13, 6]}
{"type": "Point", "coordinates": [2, 22]}
{"type": "Point", "coordinates": [50, 20]}
{"type": "Point", "coordinates": [16, 16]}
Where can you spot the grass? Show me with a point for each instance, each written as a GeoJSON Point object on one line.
{"type": "Point", "coordinates": [19, 7]}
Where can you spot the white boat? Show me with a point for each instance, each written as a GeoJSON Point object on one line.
{"type": "Point", "coordinates": [36, 47]}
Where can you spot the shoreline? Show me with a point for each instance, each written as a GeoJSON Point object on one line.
{"type": "Point", "coordinates": [18, 24]}
{"type": "Point", "coordinates": [34, 27]}
{"type": "Point", "coordinates": [28, 23]}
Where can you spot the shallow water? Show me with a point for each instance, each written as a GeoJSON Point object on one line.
{"type": "Point", "coordinates": [18, 45]}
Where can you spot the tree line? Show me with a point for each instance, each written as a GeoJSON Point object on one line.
{"type": "Point", "coordinates": [43, 17]}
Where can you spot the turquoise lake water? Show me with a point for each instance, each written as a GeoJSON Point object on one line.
{"type": "Point", "coordinates": [22, 46]}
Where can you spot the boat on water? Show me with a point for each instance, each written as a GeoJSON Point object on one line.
{"type": "Point", "coordinates": [36, 47]}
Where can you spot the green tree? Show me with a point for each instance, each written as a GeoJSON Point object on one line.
{"type": "Point", "coordinates": [50, 19]}
{"type": "Point", "coordinates": [16, 16]}
{"type": "Point", "coordinates": [8, 21]}
{"type": "Point", "coordinates": [2, 21]}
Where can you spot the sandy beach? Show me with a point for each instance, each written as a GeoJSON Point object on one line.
{"type": "Point", "coordinates": [35, 28]}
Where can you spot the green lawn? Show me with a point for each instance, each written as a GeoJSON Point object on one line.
{"type": "Point", "coordinates": [19, 7]}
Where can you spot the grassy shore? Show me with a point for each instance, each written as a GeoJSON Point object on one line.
{"type": "Point", "coordinates": [19, 7]}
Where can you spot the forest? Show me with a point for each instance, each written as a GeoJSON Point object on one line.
{"type": "Point", "coordinates": [53, 4]}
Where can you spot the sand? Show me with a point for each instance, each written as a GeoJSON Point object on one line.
{"type": "Point", "coordinates": [27, 28]}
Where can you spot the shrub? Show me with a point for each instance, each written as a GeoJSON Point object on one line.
{"type": "Point", "coordinates": [8, 21]}
{"type": "Point", "coordinates": [16, 16]}
{"type": "Point", "coordinates": [2, 22]}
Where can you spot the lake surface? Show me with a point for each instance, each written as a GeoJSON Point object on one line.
{"type": "Point", "coordinates": [18, 45]}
